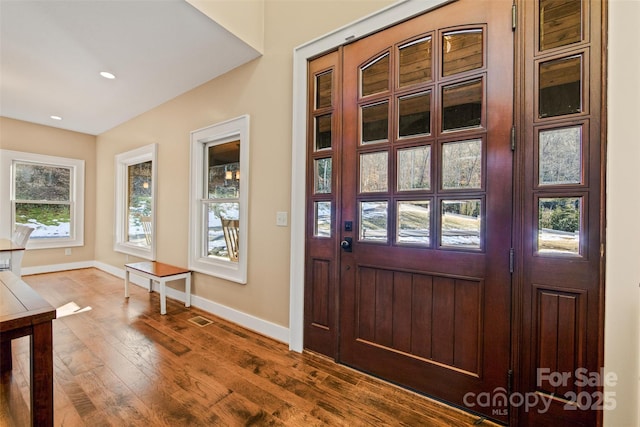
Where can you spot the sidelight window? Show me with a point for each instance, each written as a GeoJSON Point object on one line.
{"type": "Point", "coordinates": [560, 87]}
{"type": "Point", "coordinates": [323, 133]}
{"type": "Point", "coordinates": [323, 89]}
{"type": "Point", "coordinates": [322, 219]}
{"type": "Point", "coordinates": [560, 156]}
{"type": "Point", "coordinates": [559, 224]}
{"type": "Point", "coordinates": [322, 169]}
{"type": "Point", "coordinates": [560, 23]}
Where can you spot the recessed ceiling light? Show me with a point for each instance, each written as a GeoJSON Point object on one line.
{"type": "Point", "coordinates": [107, 75]}
{"type": "Point", "coordinates": [56, 117]}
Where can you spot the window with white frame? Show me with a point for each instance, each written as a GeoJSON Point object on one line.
{"type": "Point", "coordinates": [219, 199]}
{"type": "Point", "coordinates": [46, 193]}
{"type": "Point", "coordinates": [135, 216]}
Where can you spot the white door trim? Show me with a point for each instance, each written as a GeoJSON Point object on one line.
{"type": "Point", "coordinates": [384, 18]}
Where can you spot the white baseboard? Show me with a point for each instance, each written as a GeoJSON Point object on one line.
{"type": "Point", "coordinates": [57, 267]}
{"type": "Point", "coordinates": [107, 268]}
{"type": "Point", "coordinates": [264, 327]}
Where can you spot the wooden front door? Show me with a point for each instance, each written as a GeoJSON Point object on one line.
{"type": "Point", "coordinates": [455, 217]}
{"type": "Point", "coordinates": [410, 204]}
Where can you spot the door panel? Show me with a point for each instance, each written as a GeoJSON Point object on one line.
{"type": "Point", "coordinates": [426, 181]}
{"type": "Point", "coordinates": [561, 234]}
{"type": "Point", "coordinates": [323, 190]}
{"type": "Point", "coordinates": [418, 301]}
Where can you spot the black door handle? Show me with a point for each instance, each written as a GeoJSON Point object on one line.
{"type": "Point", "coordinates": [346, 244]}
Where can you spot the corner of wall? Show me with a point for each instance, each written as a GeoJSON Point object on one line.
{"type": "Point", "coordinates": [243, 19]}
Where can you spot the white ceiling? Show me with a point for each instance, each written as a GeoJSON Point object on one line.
{"type": "Point", "coordinates": [52, 51]}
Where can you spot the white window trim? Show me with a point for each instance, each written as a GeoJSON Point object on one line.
{"type": "Point", "coordinates": [123, 161]}
{"type": "Point", "coordinates": [226, 131]}
{"type": "Point", "coordinates": [7, 219]}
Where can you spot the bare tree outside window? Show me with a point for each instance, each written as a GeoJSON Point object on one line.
{"type": "Point", "coordinates": [462, 164]}
{"type": "Point", "coordinates": [560, 156]}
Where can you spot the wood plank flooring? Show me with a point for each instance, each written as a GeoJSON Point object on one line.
{"type": "Point", "coordinates": [123, 364]}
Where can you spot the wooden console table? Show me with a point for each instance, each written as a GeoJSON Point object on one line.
{"type": "Point", "coordinates": [161, 273]}
{"type": "Point", "coordinates": [25, 313]}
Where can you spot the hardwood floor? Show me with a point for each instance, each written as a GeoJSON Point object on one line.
{"type": "Point", "coordinates": [122, 363]}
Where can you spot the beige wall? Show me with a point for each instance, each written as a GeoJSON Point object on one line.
{"type": "Point", "coordinates": [32, 138]}
{"type": "Point", "coordinates": [622, 311]}
{"type": "Point", "coordinates": [262, 89]}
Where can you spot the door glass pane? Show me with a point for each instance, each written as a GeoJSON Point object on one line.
{"type": "Point", "coordinates": [375, 123]}
{"type": "Point", "coordinates": [560, 23]}
{"type": "Point", "coordinates": [322, 219]}
{"type": "Point", "coordinates": [374, 172]}
{"type": "Point", "coordinates": [462, 105]}
{"type": "Point", "coordinates": [322, 176]}
{"type": "Point", "coordinates": [415, 62]}
{"type": "Point", "coordinates": [414, 168]}
{"type": "Point", "coordinates": [217, 245]}
{"type": "Point", "coordinates": [224, 171]}
{"type": "Point", "coordinates": [414, 115]}
{"type": "Point", "coordinates": [323, 132]}
{"type": "Point", "coordinates": [414, 219]}
{"type": "Point", "coordinates": [559, 153]}
{"type": "Point", "coordinates": [139, 201]}
{"type": "Point", "coordinates": [560, 87]}
{"type": "Point", "coordinates": [323, 89]}
{"type": "Point", "coordinates": [375, 76]}
{"type": "Point", "coordinates": [462, 164]}
{"type": "Point", "coordinates": [559, 221]}
{"type": "Point", "coordinates": [373, 221]}
{"type": "Point", "coordinates": [460, 223]}
{"type": "Point", "coordinates": [461, 51]}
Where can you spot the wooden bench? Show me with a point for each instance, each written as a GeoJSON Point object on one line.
{"type": "Point", "coordinates": [161, 273]}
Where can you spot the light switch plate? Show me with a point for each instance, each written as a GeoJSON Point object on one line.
{"type": "Point", "coordinates": [281, 219]}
